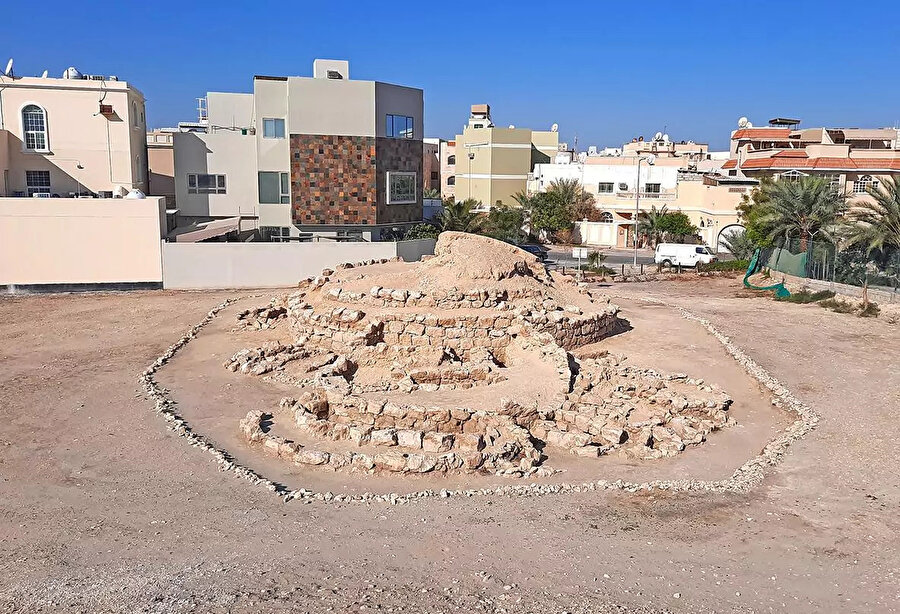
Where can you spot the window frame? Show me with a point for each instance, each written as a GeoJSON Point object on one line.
{"type": "Point", "coordinates": [451, 180]}
{"type": "Point", "coordinates": [276, 122]}
{"type": "Point", "coordinates": [391, 129]}
{"type": "Point", "coordinates": [865, 181]}
{"type": "Point", "coordinates": [283, 181]}
{"type": "Point", "coordinates": [451, 160]}
{"type": "Point", "coordinates": [410, 198]}
{"type": "Point", "coordinates": [31, 190]}
{"type": "Point", "coordinates": [653, 192]}
{"type": "Point", "coordinates": [219, 184]}
{"type": "Point", "coordinates": [611, 190]}
{"type": "Point", "coordinates": [44, 132]}
{"type": "Point", "coordinates": [606, 217]}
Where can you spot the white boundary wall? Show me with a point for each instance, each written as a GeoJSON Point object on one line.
{"type": "Point", "coordinates": [58, 243]}
{"type": "Point", "coordinates": [270, 265]}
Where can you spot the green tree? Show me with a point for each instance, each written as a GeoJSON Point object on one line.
{"type": "Point", "coordinates": [739, 244]}
{"type": "Point", "coordinates": [875, 224]}
{"type": "Point", "coordinates": [422, 231]}
{"type": "Point", "coordinates": [676, 226]}
{"type": "Point", "coordinates": [459, 216]}
{"type": "Point", "coordinates": [431, 193]}
{"type": "Point", "coordinates": [751, 213]}
{"type": "Point", "coordinates": [505, 223]}
{"type": "Point", "coordinates": [650, 224]}
{"type": "Point", "coordinates": [571, 195]}
{"type": "Point", "coordinates": [547, 214]}
{"type": "Point", "coordinates": [803, 208]}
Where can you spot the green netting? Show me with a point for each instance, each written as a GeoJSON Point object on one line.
{"type": "Point", "coordinates": [755, 265]}
{"type": "Point", "coordinates": [786, 262]}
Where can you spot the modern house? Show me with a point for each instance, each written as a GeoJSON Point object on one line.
{"type": "Point", "coordinates": [853, 159]}
{"type": "Point", "coordinates": [683, 176]}
{"type": "Point", "coordinates": [73, 136]}
{"type": "Point", "coordinates": [491, 164]}
{"type": "Point", "coordinates": [299, 157]}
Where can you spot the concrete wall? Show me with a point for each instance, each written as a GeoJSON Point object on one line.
{"type": "Point", "coordinates": [270, 265]}
{"type": "Point", "coordinates": [86, 151]}
{"type": "Point", "coordinates": [68, 241]}
{"type": "Point", "coordinates": [331, 106]}
{"type": "Point", "coordinates": [399, 100]}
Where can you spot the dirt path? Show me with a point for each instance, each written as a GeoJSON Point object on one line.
{"type": "Point", "coordinates": [102, 509]}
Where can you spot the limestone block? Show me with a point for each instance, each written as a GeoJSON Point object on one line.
{"type": "Point", "coordinates": [407, 438]}
{"type": "Point", "coordinates": [437, 442]}
{"type": "Point", "coordinates": [384, 437]}
{"type": "Point", "coordinates": [311, 457]}
{"type": "Point", "coordinates": [390, 461]}
{"type": "Point", "coordinates": [468, 442]}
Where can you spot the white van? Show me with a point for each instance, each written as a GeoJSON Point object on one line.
{"type": "Point", "coordinates": [683, 254]}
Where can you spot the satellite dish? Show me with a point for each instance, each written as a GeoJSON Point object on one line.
{"type": "Point", "coordinates": [554, 128]}
{"type": "Point", "coordinates": [748, 125]}
{"type": "Point", "coordinates": [135, 195]}
{"type": "Point", "coordinates": [742, 122]}
{"type": "Point", "coordinates": [9, 65]}
{"type": "Point", "coordinates": [44, 74]}
{"type": "Point", "coordinates": [512, 127]}
{"type": "Point", "coordinates": [666, 138]}
{"type": "Point", "coordinates": [651, 159]}
{"type": "Point", "coordinates": [657, 136]}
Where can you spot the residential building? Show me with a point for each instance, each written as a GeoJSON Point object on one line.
{"type": "Point", "coordinates": [448, 169]}
{"type": "Point", "coordinates": [301, 156]}
{"type": "Point", "coordinates": [431, 163]}
{"type": "Point", "coordinates": [161, 164]}
{"type": "Point", "coordinates": [77, 135]}
{"type": "Point", "coordinates": [683, 177]}
{"type": "Point", "coordinates": [853, 159]}
{"type": "Point", "coordinates": [492, 164]}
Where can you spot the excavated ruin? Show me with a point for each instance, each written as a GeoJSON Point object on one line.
{"type": "Point", "coordinates": [460, 363]}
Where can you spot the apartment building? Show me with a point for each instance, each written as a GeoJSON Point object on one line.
{"type": "Point", "coordinates": [682, 176]}
{"type": "Point", "coordinates": [448, 169]}
{"type": "Point", "coordinates": [431, 163]}
{"type": "Point", "coordinates": [323, 156]}
{"type": "Point", "coordinates": [161, 164]}
{"type": "Point", "coordinates": [75, 135]}
{"type": "Point", "coordinates": [491, 164]}
{"type": "Point", "coordinates": [853, 159]}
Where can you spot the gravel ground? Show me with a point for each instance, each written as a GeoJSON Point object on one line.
{"type": "Point", "coordinates": [103, 510]}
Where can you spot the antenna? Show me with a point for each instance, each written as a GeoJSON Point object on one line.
{"type": "Point", "coordinates": [9, 68]}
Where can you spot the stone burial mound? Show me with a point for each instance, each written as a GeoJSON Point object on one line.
{"type": "Point", "coordinates": [460, 363]}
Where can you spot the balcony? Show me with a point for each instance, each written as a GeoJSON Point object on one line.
{"type": "Point", "coordinates": [655, 195]}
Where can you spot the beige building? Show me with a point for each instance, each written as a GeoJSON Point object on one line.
{"type": "Point", "coordinates": [683, 177]}
{"type": "Point", "coordinates": [161, 164]}
{"type": "Point", "coordinates": [448, 169]}
{"type": "Point", "coordinates": [853, 159]}
{"type": "Point", "coordinates": [78, 135]}
{"type": "Point", "coordinates": [491, 164]}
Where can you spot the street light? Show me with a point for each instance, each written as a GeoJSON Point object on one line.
{"type": "Point", "coordinates": [637, 198]}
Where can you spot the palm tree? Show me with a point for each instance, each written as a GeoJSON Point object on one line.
{"type": "Point", "coordinates": [650, 223]}
{"type": "Point", "coordinates": [572, 195]}
{"type": "Point", "coordinates": [875, 224]}
{"type": "Point", "coordinates": [739, 244]}
{"type": "Point", "coordinates": [459, 216]}
{"type": "Point", "coordinates": [431, 193]}
{"type": "Point", "coordinates": [805, 207]}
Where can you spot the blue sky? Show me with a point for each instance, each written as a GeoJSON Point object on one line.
{"type": "Point", "coordinates": [606, 71]}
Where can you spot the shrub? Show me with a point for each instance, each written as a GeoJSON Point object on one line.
{"type": "Point", "coordinates": [726, 265]}
{"type": "Point", "coordinates": [805, 296]}
{"type": "Point", "coordinates": [837, 305]}
{"type": "Point", "coordinates": [871, 310]}
{"type": "Point", "coordinates": [422, 231]}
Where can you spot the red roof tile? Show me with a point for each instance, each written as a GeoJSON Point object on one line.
{"type": "Point", "coordinates": [791, 153]}
{"type": "Point", "coordinates": [785, 162]}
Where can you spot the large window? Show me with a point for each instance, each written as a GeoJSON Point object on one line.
{"type": "Point", "coordinates": [273, 128]}
{"type": "Point", "coordinates": [652, 190]}
{"type": "Point", "coordinates": [605, 187]}
{"type": "Point", "coordinates": [34, 125]}
{"type": "Point", "coordinates": [606, 217]}
{"type": "Point", "coordinates": [399, 127]}
{"type": "Point", "coordinates": [792, 175]}
{"type": "Point", "coordinates": [401, 188]}
{"type": "Point", "coordinates": [206, 184]}
{"type": "Point", "coordinates": [37, 182]}
{"type": "Point", "coordinates": [274, 188]}
{"type": "Point", "coordinates": [862, 184]}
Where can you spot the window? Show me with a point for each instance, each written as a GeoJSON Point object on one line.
{"type": "Point", "coordinates": [435, 175]}
{"type": "Point", "coordinates": [699, 250]}
{"type": "Point", "coordinates": [652, 190]}
{"type": "Point", "coordinates": [134, 113]}
{"type": "Point", "coordinates": [792, 175]}
{"type": "Point", "coordinates": [274, 188]}
{"type": "Point", "coordinates": [276, 234]}
{"type": "Point", "coordinates": [399, 127]}
{"type": "Point", "coordinates": [273, 128]}
{"type": "Point", "coordinates": [206, 184]}
{"type": "Point", "coordinates": [834, 180]}
{"type": "Point", "coordinates": [451, 159]}
{"type": "Point", "coordinates": [34, 125]}
{"type": "Point", "coordinates": [38, 182]}
{"type": "Point", "coordinates": [864, 183]}
{"type": "Point", "coordinates": [606, 217]}
{"type": "Point", "coordinates": [605, 188]}
{"type": "Point", "coordinates": [401, 188]}
{"type": "Point", "coordinates": [451, 180]}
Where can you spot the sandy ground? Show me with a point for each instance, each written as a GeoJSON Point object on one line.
{"type": "Point", "coordinates": [103, 510]}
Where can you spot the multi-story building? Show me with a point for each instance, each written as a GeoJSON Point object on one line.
{"type": "Point", "coordinates": [853, 159]}
{"type": "Point", "coordinates": [161, 164]}
{"type": "Point", "coordinates": [682, 177]}
{"type": "Point", "coordinates": [492, 164]}
{"type": "Point", "coordinates": [323, 155]}
{"type": "Point", "coordinates": [431, 163]}
{"type": "Point", "coordinates": [78, 135]}
{"type": "Point", "coordinates": [448, 169]}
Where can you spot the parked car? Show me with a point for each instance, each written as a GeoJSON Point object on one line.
{"type": "Point", "coordinates": [681, 254]}
{"type": "Point", "coordinates": [537, 250]}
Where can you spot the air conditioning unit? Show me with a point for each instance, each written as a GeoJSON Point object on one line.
{"type": "Point", "coordinates": [106, 110]}
{"type": "Point", "coordinates": [41, 195]}
{"type": "Point", "coordinates": [623, 186]}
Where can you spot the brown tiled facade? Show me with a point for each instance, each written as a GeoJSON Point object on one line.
{"type": "Point", "coordinates": [339, 180]}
